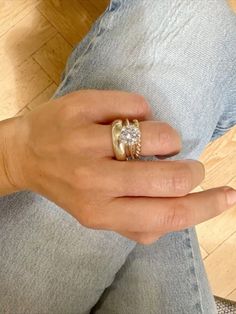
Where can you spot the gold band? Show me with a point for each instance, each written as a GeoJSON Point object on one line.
{"type": "Point", "coordinates": [118, 148]}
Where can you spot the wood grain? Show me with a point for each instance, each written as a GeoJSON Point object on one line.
{"type": "Point", "coordinates": [11, 12]}
{"type": "Point", "coordinates": [232, 295]}
{"type": "Point", "coordinates": [232, 3]}
{"type": "Point", "coordinates": [43, 97]}
{"type": "Point", "coordinates": [70, 16]}
{"type": "Point", "coordinates": [28, 81]}
{"type": "Point", "coordinates": [220, 154]}
{"type": "Point", "coordinates": [52, 57]}
{"type": "Point", "coordinates": [220, 266]}
{"type": "Point", "coordinates": [203, 252]}
{"type": "Point", "coordinates": [23, 39]}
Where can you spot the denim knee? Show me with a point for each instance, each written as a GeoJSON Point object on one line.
{"type": "Point", "coordinates": [179, 54]}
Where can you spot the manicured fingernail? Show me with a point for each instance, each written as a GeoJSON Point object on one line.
{"type": "Point", "coordinates": [231, 197]}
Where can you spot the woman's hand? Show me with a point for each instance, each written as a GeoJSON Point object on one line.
{"type": "Point", "coordinates": [63, 150]}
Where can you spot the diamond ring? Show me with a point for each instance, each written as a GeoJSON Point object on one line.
{"type": "Point", "coordinates": [126, 139]}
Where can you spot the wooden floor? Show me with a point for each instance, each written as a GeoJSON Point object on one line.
{"type": "Point", "coordinates": [36, 37]}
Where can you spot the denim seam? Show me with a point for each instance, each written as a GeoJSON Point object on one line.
{"type": "Point", "coordinates": [194, 268]}
{"type": "Point", "coordinates": [114, 5]}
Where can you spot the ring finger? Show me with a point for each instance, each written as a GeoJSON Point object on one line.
{"type": "Point", "coordinates": [157, 138]}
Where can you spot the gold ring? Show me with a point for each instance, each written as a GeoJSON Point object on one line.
{"type": "Point", "coordinates": [126, 139]}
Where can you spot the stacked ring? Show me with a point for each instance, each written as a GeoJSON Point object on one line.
{"type": "Point", "coordinates": [126, 139]}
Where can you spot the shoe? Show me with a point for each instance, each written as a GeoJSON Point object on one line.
{"type": "Point", "coordinates": [225, 306]}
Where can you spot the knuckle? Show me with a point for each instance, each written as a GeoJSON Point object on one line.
{"type": "Point", "coordinates": [142, 106]}
{"type": "Point", "coordinates": [67, 111]}
{"type": "Point", "coordinates": [64, 112]}
{"type": "Point", "coordinates": [169, 138]}
{"type": "Point", "coordinates": [72, 107]}
{"type": "Point", "coordinates": [165, 128]}
{"type": "Point", "coordinates": [181, 182]}
{"type": "Point", "coordinates": [165, 139]}
{"type": "Point", "coordinates": [176, 217]}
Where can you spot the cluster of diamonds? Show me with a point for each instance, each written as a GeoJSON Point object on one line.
{"type": "Point", "coordinates": [129, 135]}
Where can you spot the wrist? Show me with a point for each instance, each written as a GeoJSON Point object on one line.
{"type": "Point", "coordinates": [11, 154]}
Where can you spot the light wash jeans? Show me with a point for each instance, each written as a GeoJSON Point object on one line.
{"type": "Point", "coordinates": [181, 55]}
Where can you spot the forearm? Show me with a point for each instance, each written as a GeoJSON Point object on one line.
{"type": "Point", "coordinates": [7, 177]}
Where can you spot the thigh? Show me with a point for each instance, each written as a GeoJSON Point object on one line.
{"type": "Point", "coordinates": [49, 263]}
{"type": "Point", "coordinates": [179, 54]}
{"type": "Point", "coordinates": [167, 277]}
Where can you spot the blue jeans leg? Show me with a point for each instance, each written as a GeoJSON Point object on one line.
{"type": "Point", "coordinates": [167, 277]}
{"type": "Point", "coordinates": [181, 56]}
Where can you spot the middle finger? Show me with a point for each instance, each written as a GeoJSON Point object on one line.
{"type": "Point", "coordinates": [151, 178]}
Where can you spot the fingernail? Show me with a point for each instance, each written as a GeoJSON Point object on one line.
{"type": "Point", "coordinates": [231, 197]}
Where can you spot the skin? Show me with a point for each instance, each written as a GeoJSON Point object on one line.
{"type": "Point", "coordinates": [63, 151]}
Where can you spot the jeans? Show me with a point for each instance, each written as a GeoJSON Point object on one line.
{"type": "Point", "coordinates": [181, 55]}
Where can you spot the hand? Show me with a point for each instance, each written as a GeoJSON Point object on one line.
{"type": "Point", "coordinates": [63, 150]}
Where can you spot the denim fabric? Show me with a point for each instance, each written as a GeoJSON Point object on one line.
{"type": "Point", "coordinates": [181, 55]}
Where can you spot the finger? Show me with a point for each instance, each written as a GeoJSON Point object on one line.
{"type": "Point", "coordinates": [157, 138]}
{"type": "Point", "coordinates": [151, 178]}
{"type": "Point", "coordinates": [162, 215]}
{"type": "Point", "coordinates": [104, 106]}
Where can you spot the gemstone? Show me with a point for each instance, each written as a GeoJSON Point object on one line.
{"type": "Point", "coordinates": [129, 134]}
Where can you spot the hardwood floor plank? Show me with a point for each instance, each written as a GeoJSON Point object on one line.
{"type": "Point", "coordinates": [220, 161]}
{"type": "Point", "coordinates": [94, 7]}
{"type": "Point", "coordinates": [43, 97]}
{"type": "Point", "coordinates": [220, 266]}
{"type": "Point", "coordinates": [203, 252]}
{"type": "Point", "coordinates": [12, 11]}
{"type": "Point", "coordinates": [197, 189]}
{"type": "Point", "coordinates": [232, 295]}
{"type": "Point", "coordinates": [213, 232]}
{"type": "Point", "coordinates": [23, 39]}
{"type": "Point", "coordinates": [232, 3]}
{"type": "Point", "coordinates": [23, 111]}
{"type": "Point", "coordinates": [69, 17]}
{"type": "Point", "coordinates": [20, 87]}
{"type": "Point", "coordinates": [52, 57]}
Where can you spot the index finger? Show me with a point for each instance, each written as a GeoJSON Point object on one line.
{"type": "Point", "coordinates": [104, 106]}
